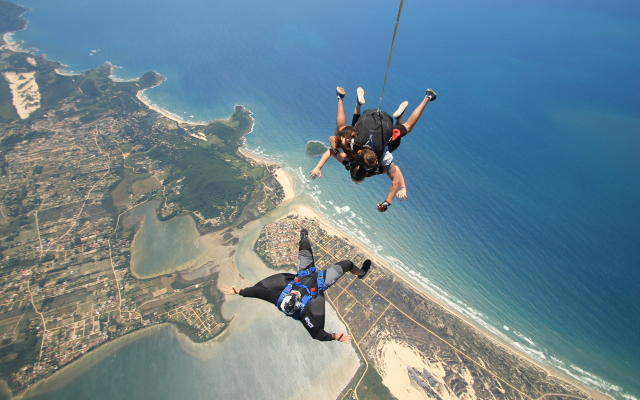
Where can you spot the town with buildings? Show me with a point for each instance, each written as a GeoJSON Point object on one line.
{"type": "Point", "coordinates": [77, 153]}
{"type": "Point", "coordinates": [387, 315]}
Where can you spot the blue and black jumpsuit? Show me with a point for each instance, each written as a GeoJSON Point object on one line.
{"type": "Point", "coordinates": [312, 316]}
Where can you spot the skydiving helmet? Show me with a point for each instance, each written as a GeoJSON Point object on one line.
{"type": "Point", "coordinates": [291, 303]}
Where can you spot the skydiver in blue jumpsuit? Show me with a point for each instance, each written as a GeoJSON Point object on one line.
{"type": "Point", "coordinates": [301, 296]}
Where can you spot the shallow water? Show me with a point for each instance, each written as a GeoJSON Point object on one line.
{"type": "Point", "coordinates": [163, 246]}
{"type": "Point", "coordinates": [258, 353]}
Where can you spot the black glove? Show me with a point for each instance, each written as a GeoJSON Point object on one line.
{"type": "Point", "coordinates": [347, 165]}
{"type": "Point", "coordinates": [384, 206]}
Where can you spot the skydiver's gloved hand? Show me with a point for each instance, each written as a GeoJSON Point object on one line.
{"type": "Point", "coordinates": [384, 206]}
{"type": "Point", "coordinates": [347, 165]}
{"type": "Point", "coordinates": [315, 173]}
{"type": "Point", "coordinates": [431, 94]}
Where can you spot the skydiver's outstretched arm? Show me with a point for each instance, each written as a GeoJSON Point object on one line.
{"type": "Point", "coordinates": [332, 151]}
{"type": "Point", "coordinates": [312, 318]}
{"type": "Point", "coordinates": [317, 171]}
{"type": "Point", "coordinates": [318, 332]}
{"type": "Point", "coordinates": [402, 193]}
{"type": "Point", "coordinates": [276, 282]}
{"type": "Point", "coordinates": [398, 187]}
{"type": "Point", "coordinates": [269, 295]}
{"type": "Point", "coordinates": [342, 337]}
{"type": "Point", "coordinates": [230, 290]}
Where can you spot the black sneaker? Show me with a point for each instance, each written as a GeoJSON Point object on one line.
{"type": "Point", "coordinates": [304, 234]}
{"type": "Point", "coordinates": [340, 92]}
{"type": "Point", "coordinates": [431, 94]}
{"type": "Point", "coordinates": [365, 267]}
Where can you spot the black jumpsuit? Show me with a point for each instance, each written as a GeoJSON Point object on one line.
{"type": "Point", "coordinates": [312, 316]}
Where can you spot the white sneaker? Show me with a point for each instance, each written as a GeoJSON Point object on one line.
{"type": "Point", "coordinates": [400, 110]}
{"type": "Point", "coordinates": [361, 100]}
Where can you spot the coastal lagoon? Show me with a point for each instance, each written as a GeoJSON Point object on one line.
{"type": "Point", "coordinates": [164, 364]}
{"type": "Point", "coordinates": [522, 177]}
{"type": "Point", "coordinates": [161, 247]}
{"type": "Point", "coordinates": [257, 353]}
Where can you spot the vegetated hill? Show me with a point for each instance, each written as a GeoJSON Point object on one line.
{"type": "Point", "coordinates": [315, 148]}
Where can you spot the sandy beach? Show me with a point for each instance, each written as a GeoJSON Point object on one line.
{"type": "Point", "coordinates": [284, 178]}
{"type": "Point", "coordinates": [11, 44]}
{"type": "Point", "coordinates": [164, 112]}
{"type": "Point", "coordinates": [396, 357]}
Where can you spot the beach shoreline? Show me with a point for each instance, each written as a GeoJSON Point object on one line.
{"type": "Point", "coordinates": [282, 176]}
{"type": "Point", "coordinates": [308, 212]}
{"type": "Point", "coordinates": [140, 96]}
{"type": "Point", "coordinates": [288, 183]}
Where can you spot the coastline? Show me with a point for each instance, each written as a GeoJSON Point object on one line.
{"type": "Point", "coordinates": [288, 183]}
{"type": "Point", "coordinates": [308, 212]}
{"type": "Point", "coordinates": [140, 96]}
{"type": "Point", "coordinates": [282, 176]}
{"type": "Point", "coordinates": [12, 45]}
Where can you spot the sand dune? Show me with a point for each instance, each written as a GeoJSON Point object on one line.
{"type": "Point", "coordinates": [25, 92]}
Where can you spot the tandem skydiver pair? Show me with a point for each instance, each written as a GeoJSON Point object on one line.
{"type": "Point", "coordinates": [365, 148]}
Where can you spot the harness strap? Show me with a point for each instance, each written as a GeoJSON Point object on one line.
{"type": "Point", "coordinates": [311, 292]}
{"type": "Point", "coordinates": [306, 272]}
{"type": "Point", "coordinates": [285, 292]}
{"type": "Point", "coordinates": [321, 285]}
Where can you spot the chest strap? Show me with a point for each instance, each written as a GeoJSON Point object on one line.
{"type": "Point", "coordinates": [309, 292]}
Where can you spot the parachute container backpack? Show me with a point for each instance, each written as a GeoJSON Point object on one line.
{"type": "Point", "coordinates": [373, 131]}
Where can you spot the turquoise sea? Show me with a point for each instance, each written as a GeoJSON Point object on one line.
{"type": "Point", "coordinates": [523, 177]}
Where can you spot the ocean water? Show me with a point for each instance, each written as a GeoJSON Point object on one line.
{"type": "Point", "coordinates": [523, 209]}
